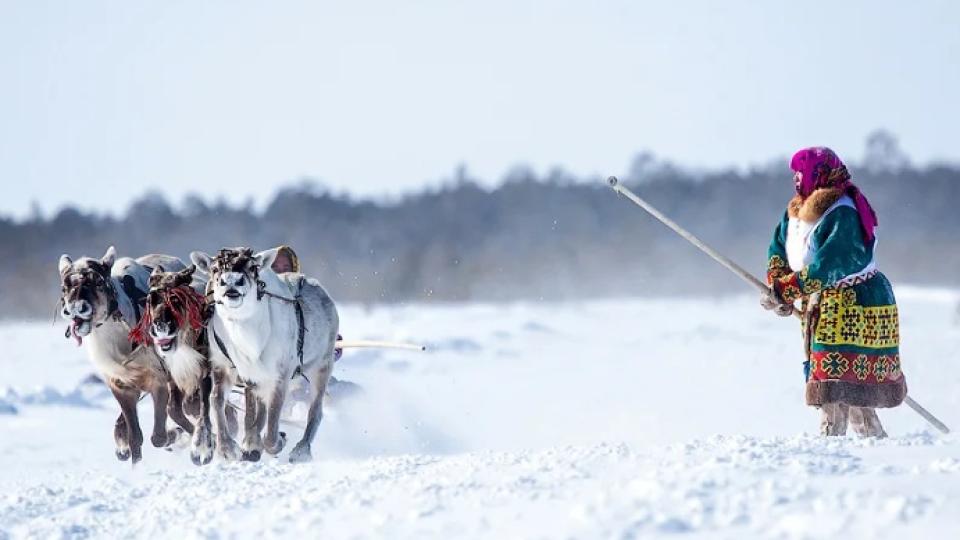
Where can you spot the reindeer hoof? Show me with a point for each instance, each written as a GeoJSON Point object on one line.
{"type": "Point", "coordinates": [228, 450]}
{"type": "Point", "coordinates": [201, 451]}
{"type": "Point", "coordinates": [176, 435]}
{"type": "Point", "coordinates": [300, 454]}
{"type": "Point", "coordinates": [277, 447]}
{"type": "Point", "coordinates": [123, 455]}
{"type": "Point", "coordinates": [164, 440]}
{"type": "Point", "coordinates": [250, 455]}
{"type": "Point", "coordinates": [136, 456]}
{"type": "Point", "coordinates": [200, 458]}
{"type": "Point", "coordinates": [201, 447]}
{"type": "Point", "coordinates": [160, 440]}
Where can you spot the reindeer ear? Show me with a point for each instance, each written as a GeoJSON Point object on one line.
{"type": "Point", "coordinates": [109, 257]}
{"type": "Point", "coordinates": [185, 276]}
{"type": "Point", "coordinates": [65, 263]}
{"type": "Point", "coordinates": [157, 270]}
{"type": "Point", "coordinates": [201, 261]}
{"type": "Point", "coordinates": [265, 259]}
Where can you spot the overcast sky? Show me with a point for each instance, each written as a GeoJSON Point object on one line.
{"type": "Point", "coordinates": [102, 100]}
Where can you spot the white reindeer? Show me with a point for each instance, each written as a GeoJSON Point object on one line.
{"type": "Point", "coordinates": [266, 329]}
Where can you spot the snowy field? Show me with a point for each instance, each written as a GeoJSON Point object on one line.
{"type": "Point", "coordinates": [608, 419]}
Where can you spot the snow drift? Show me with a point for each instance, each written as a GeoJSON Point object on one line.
{"type": "Point", "coordinates": [612, 419]}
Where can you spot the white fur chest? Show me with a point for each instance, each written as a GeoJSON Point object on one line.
{"type": "Point", "coordinates": [247, 345]}
{"type": "Point", "coordinates": [799, 245]}
{"type": "Point", "coordinates": [186, 368]}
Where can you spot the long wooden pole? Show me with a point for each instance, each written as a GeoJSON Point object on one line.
{"type": "Point", "coordinates": [371, 344]}
{"type": "Point", "coordinates": [740, 272]}
{"type": "Point", "coordinates": [689, 237]}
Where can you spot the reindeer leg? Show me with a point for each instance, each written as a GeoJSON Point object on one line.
{"type": "Point", "coordinates": [233, 424]}
{"type": "Point", "coordinates": [175, 407]}
{"type": "Point", "coordinates": [201, 447]}
{"type": "Point", "coordinates": [274, 440]}
{"type": "Point", "coordinates": [301, 452]}
{"type": "Point", "coordinates": [191, 403]}
{"type": "Point", "coordinates": [226, 446]}
{"type": "Point", "coordinates": [252, 446]}
{"type": "Point", "coordinates": [128, 397]}
{"type": "Point", "coordinates": [120, 438]}
{"type": "Point", "coordinates": [261, 415]}
{"type": "Point", "coordinates": [161, 436]}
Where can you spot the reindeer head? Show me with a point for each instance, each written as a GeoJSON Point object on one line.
{"type": "Point", "coordinates": [235, 277]}
{"type": "Point", "coordinates": [87, 297]}
{"type": "Point", "coordinates": [173, 309]}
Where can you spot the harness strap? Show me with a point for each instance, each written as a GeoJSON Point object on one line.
{"type": "Point", "coordinates": [297, 302]}
{"type": "Point", "coordinates": [301, 325]}
{"type": "Point", "coordinates": [223, 349]}
{"type": "Point", "coordinates": [221, 346]}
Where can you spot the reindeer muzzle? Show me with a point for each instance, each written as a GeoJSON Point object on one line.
{"type": "Point", "coordinates": [165, 343]}
{"type": "Point", "coordinates": [232, 294]}
{"type": "Point", "coordinates": [78, 329]}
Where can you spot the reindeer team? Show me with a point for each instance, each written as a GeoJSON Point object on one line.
{"type": "Point", "coordinates": [189, 335]}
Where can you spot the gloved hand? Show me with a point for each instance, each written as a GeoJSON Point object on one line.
{"type": "Point", "coordinates": [770, 302]}
{"type": "Point", "coordinates": [784, 310]}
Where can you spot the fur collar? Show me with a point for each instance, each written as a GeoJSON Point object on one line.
{"type": "Point", "coordinates": [813, 207]}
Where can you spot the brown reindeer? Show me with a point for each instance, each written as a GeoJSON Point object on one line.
{"type": "Point", "coordinates": [101, 300]}
{"type": "Point", "coordinates": [173, 323]}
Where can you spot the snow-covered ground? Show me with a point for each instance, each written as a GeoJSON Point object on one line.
{"type": "Point", "coordinates": [607, 419]}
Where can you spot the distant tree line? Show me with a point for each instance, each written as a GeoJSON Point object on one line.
{"type": "Point", "coordinates": [531, 238]}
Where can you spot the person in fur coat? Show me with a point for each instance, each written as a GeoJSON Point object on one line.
{"type": "Point", "coordinates": [822, 254]}
{"type": "Point", "coordinates": [286, 260]}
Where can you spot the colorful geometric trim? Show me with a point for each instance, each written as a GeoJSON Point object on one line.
{"type": "Point", "coordinates": [855, 367]}
{"type": "Point", "coordinates": [843, 322]}
{"type": "Point", "coordinates": [787, 288]}
{"type": "Point", "coordinates": [857, 279]}
{"type": "Point", "coordinates": [776, 268]}
{"type": "Point", "coordinates": [796, 285]}
{"type": "Point", "coordinates": [808, 285]}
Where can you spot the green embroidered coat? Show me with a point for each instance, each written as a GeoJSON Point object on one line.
{"type": "Point", "coordinates": [853, 331]}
